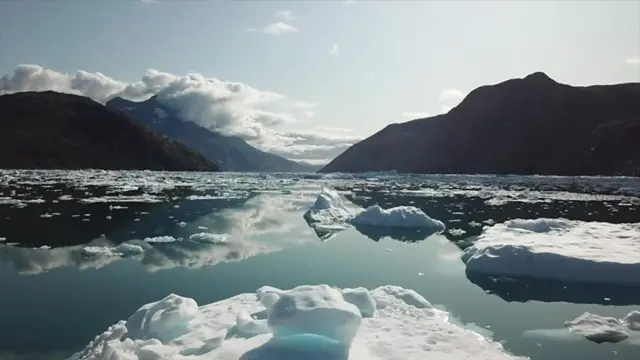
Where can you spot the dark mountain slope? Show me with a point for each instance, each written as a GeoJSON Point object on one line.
{"type": "Point", "coordinates": [532, 125]}
{"type": "Point", "coordinates": [230, 152]}
{"type": "Point", "coordinates": [50, 130]}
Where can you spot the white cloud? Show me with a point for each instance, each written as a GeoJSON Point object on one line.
{"type": "Point", "coordinates": [633, 61]}
{"type": "Point", "coordinates": [334, 49]}
{"type": "Point", "coordinates": [266, 119]}
{"type": "Point", "coordinates": [453, 95]}
{"type": "Point", "coordinates": [415, 114]}
{"type": "Point", "coordinates": [279, 28]}
{"type": "Point", "coordinates": [445, 109]}
{"type": "Point", "coordinates": [284, 15]}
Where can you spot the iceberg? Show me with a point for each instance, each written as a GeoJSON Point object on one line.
{"type": "Point", "coordinates": [558, 249]}
{"type": "Point", "coordinates": [399, 216]}
{"type": "Point", "coordinates": [601, 329]}
{"type": "Point", "coordinates": [312, 322]}
{"type": "Point", "coordinates": [329, 215]}
{"type": "Point", "coordinates": [328, 210]}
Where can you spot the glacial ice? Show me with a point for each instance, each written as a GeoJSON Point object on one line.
{"type": "Point", "coordinates": [400, 216]}
{"type": "Point", "coordinates": [330, 213]}
{"type": "Point", "coordinates": [559, 249]}
{"type": "Point", "coordinates": [601, 329]}
{"type": "Point", "coordinates": [308, 322]}
{"type": "Point", "coordinates": [328, 210]}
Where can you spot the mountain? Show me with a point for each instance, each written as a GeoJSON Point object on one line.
{"type": "Point", "coordinates": [230, 152]}
{"type": "Point", "coordinates": [531, 125]}
{"type": "Point", "coordinates": [50, 130]}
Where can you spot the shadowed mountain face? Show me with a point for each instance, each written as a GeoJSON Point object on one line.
{"type": "Point", "coordinates": [523, 126]}
{"type": "Point", "coordinates": [230, 152]}
{"type": "Point", "coordinates": [49, 130]}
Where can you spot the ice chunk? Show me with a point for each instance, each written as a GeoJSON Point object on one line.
{"type": "Point", "coordinates": [123, 250]}
{"type": "Point", "coordinates": [310, 322]}
{"type": "Point", "coordinates": [165, 320]}
{"type": "Point", "coordinates": [632, 320]}
{"type": "Point", "coordinates": [361, 298]}
{"type": "Point", "coordinates": [601, 329]}
{"type": "Point", "coordinates": [319, 310]}
{"type": "Point", "coordinates": [328, 210]}
{"type": "Point", "coordinates": [400, 217]}
{"type": "Point", "coordinates": [162, 239]}
{"type": "Point", "coordinates": [561, 249]}
{"type": "Point", "coordinates": [209, 238]}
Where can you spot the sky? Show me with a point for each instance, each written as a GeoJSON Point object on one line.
{"type": "Point", "coordinates": [306, 79]}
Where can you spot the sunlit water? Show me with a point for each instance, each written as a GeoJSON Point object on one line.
{"type": "Point", "coordinates": [61, 282]}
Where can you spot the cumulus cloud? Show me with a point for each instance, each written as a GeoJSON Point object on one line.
{"type": "Point", "coordinates": [263, 118]}
{"type": "Point", "coordinates": [286, 15]}
{"type": "Point", "coordinates": [278, 28]}
{"type": "Point", "coordinates": [633, 60]}
{"type": "Point", "coordinates": [334, 49]}
{"type": "Point", "coordinates": [415, 114]}
{"type": "Point", "coordinates": [451, 95]}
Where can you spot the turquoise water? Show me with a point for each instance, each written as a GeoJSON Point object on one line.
{"type": "Point", "coordinates": [54, 301]}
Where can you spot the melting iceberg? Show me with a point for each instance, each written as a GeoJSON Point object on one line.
{"type": "Point", "coordinates": [560, 249]}
{"type": "Point", "coordinates": [328, 210]}
{"type": "Point", "coordinates": [601, 329]}
{"type": "Point", "coordinates": [400, 216]}
{"type": "Point", "coordinates": [329, 214]}
{"type": "Point", "coordinates": [307, 322]}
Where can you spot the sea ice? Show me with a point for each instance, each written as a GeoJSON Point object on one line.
{"type": "Point", "coordinates": [400, 216]}
{"type": "Point", "coordinates": [210, 238]}
{"type": "Point", "coordinates": [307, 322]}
{"type": "Point", "coordinates": [328, 209]}
{"type": "Point", "coordinates": [560, 249]}
{"type": "Point", "coordinates": [601, 329]}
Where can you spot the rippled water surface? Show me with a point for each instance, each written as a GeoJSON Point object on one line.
{"type": "Point", "coordinates": [81, 250]}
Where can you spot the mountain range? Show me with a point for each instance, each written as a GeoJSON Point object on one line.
{"type": "Point", "coordinates": [530, 125]}
{"type": "Point", "coordinates": [50, 130]}
{"type": "Point", "coordinates": [231, 153]}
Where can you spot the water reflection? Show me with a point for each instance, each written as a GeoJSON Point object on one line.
{"type": "Point", "coordinates": [186, 234]}
{"type": "Point", "coordinates": [527, 289]}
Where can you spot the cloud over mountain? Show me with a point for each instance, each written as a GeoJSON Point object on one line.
{"type": "Point", "coordinates": [266, 119]}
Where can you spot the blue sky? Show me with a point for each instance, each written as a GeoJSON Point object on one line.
{"type": "Point", "coordinates": [364, 64]}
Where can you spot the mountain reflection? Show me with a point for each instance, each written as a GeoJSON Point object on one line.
{"type": "Point", "coordinates": [166, 238]}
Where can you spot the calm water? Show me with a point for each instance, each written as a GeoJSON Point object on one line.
{"type": "Point", "coordinates": [58, 293]}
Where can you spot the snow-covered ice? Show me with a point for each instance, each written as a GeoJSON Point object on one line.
{"type": "Point", "coordinates": [328, 210]}
{"type": "Point", "coordinates": [210, 238]}
{"type": "Point", "coordinates": [308, 322]}
{"type": "Point", "coordinates": [330, 213]}
{"type": "Point", "coordinates": [603, 328]}
{"type": "Point", "coordinates": [400, 216]}
{"type": "Point", "coordinates": [561, 249]}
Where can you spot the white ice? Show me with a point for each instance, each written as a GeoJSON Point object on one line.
{"type": "Point", "coordinates": [209, 238]}
{"type": "Point", "coordinates": [307, 322]}
{"type": "Point", "coordinates": [400, 216]}
{"type": "Point", "coordinates": [604, 329]}
{"type": "Point", "coordinates": [123, 250]}
{"type": "Point", "coordinates": [330, 212]}
{"type": "Point", "coordinates": [561, 249]}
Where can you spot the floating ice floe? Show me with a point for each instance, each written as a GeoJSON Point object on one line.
{"type": "Point", "coordinates": [560, 249]}
{"type": "Point", "coordinates": [400, 216]}
{"type": "Point", "coordinates": [122, 250]}
{"type": "Point", "coordinates": [329, 210]}
{"type": "Point", "coordinates": [601, 329]}
{"type": "Point", "coordinates": [307, 322]}
{"type": "Point", "coordinates": [330, 213]}
{"type": "Point", "coordinates": [210, 238]}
